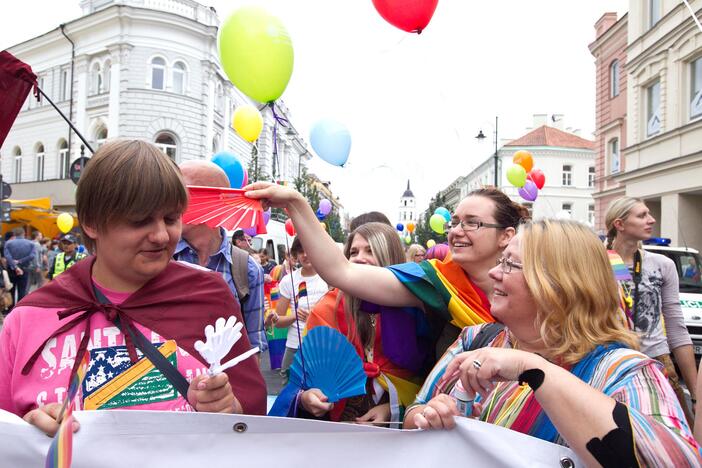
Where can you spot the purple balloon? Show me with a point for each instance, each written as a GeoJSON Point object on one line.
{"type": "Point", "coordinates": [266, 216]}
{"type": "Point", "coordinates": [250, 231]}
{"type": "Point", "coordinates": [529, 192]}
{"type": "Point", "coordinates": [325, 206]}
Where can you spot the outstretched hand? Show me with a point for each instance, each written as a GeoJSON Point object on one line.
{"type": "Point", "coordinates": [272, 195]}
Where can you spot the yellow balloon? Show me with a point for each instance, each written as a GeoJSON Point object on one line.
{"type": "Point", "coordinates": [248, 122]}
{"type": "Point", "coordinates": [64, 222]}
{"type": "Point", "coordinates": [431, 243]}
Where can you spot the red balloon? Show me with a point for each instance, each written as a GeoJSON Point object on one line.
{"type": "Point", "coordinates": [289, 228]}
{"type": "Point", "coordinates": [409, 15]}
{"type": "Point", "coordinates": [537, 176]}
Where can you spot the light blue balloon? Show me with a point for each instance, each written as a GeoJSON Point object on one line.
{"type": "Point", "coordinates": [231, 166]}
{"type": "Point", "coordinates": [443, 212]}
{"type": "Point", "coordinates": [331, 141]}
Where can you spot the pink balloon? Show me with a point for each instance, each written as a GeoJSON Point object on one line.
{"type": "Point", "coordinates": [529, 192]}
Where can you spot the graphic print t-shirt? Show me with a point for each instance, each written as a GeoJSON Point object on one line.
{"type": "Point", "coordinates": [111, 380]}
{"type": "Point", "coordinates": [316, 289]}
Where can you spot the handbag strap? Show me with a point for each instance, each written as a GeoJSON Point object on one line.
{"type": "Point", "coordinates": [150, 351]}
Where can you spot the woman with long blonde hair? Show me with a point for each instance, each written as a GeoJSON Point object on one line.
{"type": "Point", "coordinates": [652, 294]}
{"type": "Point", "coordinates": [564, 368]}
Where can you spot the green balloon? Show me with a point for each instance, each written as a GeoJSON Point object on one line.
{"type": "Point", "coordinates": [408, 240]}
{"type": "Point", "coordinates": [256, 53]}
{"type": "Point", "coordinates": [437, 223]}
{"type": "Point", "coordinates": [516, 175]}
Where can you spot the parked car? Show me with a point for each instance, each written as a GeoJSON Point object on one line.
{"type": "Point", "coordinates": [688, 263]}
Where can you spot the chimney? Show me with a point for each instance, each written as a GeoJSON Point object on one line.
{"type": "Point", "coordinates": [605, 22]}
{"type": "Point", "coordinates": [557, 121]}
{"type": "Point", "coordinates": [539, 120]}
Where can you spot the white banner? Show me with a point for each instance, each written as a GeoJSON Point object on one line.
{"type": "Point", "coordinates": [167, 439]}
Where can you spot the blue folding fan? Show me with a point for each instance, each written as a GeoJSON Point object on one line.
{"type": "Point", "coordinates": [331, 365]}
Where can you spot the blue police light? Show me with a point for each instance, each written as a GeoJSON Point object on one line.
{"type": "Point", "coordinates": [661, 241]}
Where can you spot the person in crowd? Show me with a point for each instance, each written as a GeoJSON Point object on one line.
{"type": "Point", "coordinates": [129, 199]}
{"type": "Point", "coordinates": [266, 262]}
{"type": "Point", "coordinates": [36, 279]}
{"type": "Point", "coordinates": [291, 286]}
{"type": "Point", "coordinates": [369, 217]}
{"type": "Point", "coordinates": [375, 244]}
{"type": "Point", "coordinates": [564, 367]}
{"type": "Point", "coordinates": [692, 270]}
{"type": "Point", "coordinates": [67, 257]}
{"type": "Point", "coordinates": [438, 251]}
{"type": "Point", "coordinates": [210, 248]}
{"type": "Point", "coordinates": [652, 296]}
{"type": "Point", "coordinates": [21, 255]}
{"type": "Point", "coordinates": [45, 249]}
{"type": "Point", "coordinates": [453, 293]}
{"type": "Point", "coordinates": [242, 240]}
{"type": "Point", "coordinates": [54, 249]}
{"type": "Point", "coordinates": [416, 253]}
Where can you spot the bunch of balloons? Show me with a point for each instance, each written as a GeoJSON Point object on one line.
{"type": "Point", "coordinates": [230, 164]}
{"type": "Point", "coordinates": [524, 176]}
{"type": "Point", "coordinates": [324, 208]}
{"type": "Point", "coordinates": [438, 220]}
{"type": "Point", "coordinates": [247, 122]}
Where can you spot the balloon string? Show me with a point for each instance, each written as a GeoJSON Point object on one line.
{"type": "Point", "coordinates": [297, 320]}
{"type": "Point", "coordinates": [279, 119]}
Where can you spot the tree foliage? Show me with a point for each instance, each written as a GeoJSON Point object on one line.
{"type": "Point", "coordinates": [423, 232]}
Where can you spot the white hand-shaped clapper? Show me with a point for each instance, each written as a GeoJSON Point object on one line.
{"type": "Point", "coordinates": [219, 341]}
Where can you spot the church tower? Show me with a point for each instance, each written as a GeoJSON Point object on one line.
{"type": "Point", "coordinates": [408, 207]}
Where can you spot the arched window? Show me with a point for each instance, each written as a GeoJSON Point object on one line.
{"type": "Point", "coordinates": [179, 75]}
{"type": "Point", "coordinates": [17, 164]}
{"type": "Point", "coordinates": [166, 143]}
{"type": "Point", "coordinates": [107, 72]}
{"type": "Point", "coordinates": [62, 162]}
{"type": "Point", "coordinates": [614, 79]}
{"type": "Point", "coordinates": [95, 79]}
{"type": "Point", "coordinates": [39, 158]}
{"type": "Point", "coordinates": [100, 136]}
{"type": "Point", "coordinates": [158, 73]}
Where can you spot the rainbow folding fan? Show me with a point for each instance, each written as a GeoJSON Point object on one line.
{"type": "Point", "coordinates": [331, 365]}
{"type": "Point", "coordinates": [223, 207]}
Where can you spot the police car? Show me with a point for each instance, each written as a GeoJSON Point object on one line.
{"type": "Point", "coordinates": [688, 264]}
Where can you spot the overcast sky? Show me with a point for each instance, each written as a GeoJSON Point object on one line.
{"type": "Point", "coordinates": [413, 104]}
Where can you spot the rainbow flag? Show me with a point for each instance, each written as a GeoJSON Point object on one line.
{"type": "Point", "coordinates": [275, 294]}
{"type": "Point", "coordinates": [302, 290]}
{"type": "Point", "coordinates": [61, 449]}
{"type": "Point", "coordinates": [620, 270]}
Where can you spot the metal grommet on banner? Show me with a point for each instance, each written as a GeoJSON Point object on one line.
{"type": "Point", "coordinates": [567, 462]}
{"type": "Point", "coordinates": [240, 427]}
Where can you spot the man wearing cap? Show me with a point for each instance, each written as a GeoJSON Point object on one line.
{"type": "Point", "coordinates": [67, 258]}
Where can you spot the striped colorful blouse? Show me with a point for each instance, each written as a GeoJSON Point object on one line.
{"type": "Point", "coordinates": [661, 434]}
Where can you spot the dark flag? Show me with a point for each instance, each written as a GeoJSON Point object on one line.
{"type": "Point", "coordinates": [16, 79]}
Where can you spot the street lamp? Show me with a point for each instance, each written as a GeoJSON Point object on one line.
{"type": "Point", "coordinates": [481, 136]}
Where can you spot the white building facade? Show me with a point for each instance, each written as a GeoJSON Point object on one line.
{"type": "Point", "coordinates": [567, 161]}
{"type": "Point", "coordinates": [146, 69]}
{"type": "Point", "coordinates": [663, 156]}
{"type": "Point", "coordinates": [407, 211]}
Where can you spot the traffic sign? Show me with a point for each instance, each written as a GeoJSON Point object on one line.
{"type": "Point", "coordinates": [76, 168]}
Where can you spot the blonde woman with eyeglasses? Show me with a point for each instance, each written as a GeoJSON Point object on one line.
{"type": "Point", "coordinates": [564, 369]}
{"type": "Point", "coordinates": [416, 253]}
{"type": "Point", "coordinates": [453, 294]}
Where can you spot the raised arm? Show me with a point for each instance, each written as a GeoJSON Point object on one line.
{"type": "Point", "coordinates": [373, 284]}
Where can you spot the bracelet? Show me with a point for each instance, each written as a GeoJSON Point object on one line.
{"type": "Point", "coordinates": [532, 377]}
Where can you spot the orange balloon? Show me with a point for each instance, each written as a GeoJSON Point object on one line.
{"type": "Point", "coordinates": [524, 159]}
{"type": "Point", "coordinates": [410, 227]}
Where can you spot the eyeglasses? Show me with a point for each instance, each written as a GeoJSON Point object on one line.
{"type": "Point", "coordinates": [468, 226]}
{"type": "Point", "coordinates": [508, 265]}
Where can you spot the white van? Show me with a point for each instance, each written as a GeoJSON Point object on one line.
{"type": "Point", "coordinates": [688, 263]}
{"type": "Point", "coordinates": [274, 241]}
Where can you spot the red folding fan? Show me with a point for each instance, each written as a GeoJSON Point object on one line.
{"type": "Point", "coordinates": [223, 207]}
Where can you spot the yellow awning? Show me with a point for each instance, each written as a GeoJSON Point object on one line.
{"type": "Point", "coordinates": [41, 203]}
{"type": "Point", "coordinates": [43, 221]}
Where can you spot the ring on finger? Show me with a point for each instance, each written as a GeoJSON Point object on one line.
{"type": "Point", "coordinates": [477, 364]}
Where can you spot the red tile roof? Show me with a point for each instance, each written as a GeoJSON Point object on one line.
{"type": "Point", "coordinates": [549, 136]}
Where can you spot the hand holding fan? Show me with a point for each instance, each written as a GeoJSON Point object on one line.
{"type": "Point", "coordinates": [223, 207]}
{"type": "Point", "coordinates": [219, 341]}
{"type": "Point", "coordinates": [330, 364]}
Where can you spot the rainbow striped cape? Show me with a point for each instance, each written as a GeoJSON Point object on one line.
{"type": "Point", "coordinates": [445, 290]}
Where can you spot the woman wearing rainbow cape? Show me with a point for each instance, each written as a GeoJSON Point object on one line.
{"type": "Point", "coordinates": [392, 383]}
{"type": "Point", "coordinates": [562, 369]}
{"type": "Point", "coordinates": [454, 293]}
